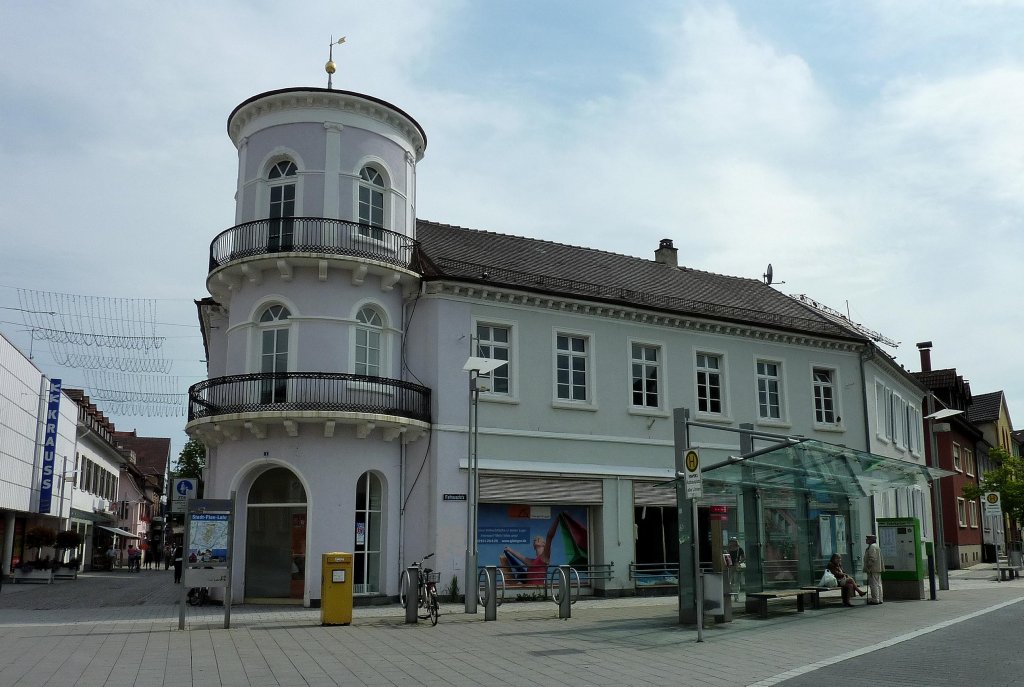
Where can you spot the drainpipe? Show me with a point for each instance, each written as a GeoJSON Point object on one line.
{"type": "Point", "coordinates": [865, 355]}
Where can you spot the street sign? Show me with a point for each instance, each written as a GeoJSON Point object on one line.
{"type": "Point", "coordinates": [691, 474]}
{"type": "Point", "coordinates": [182, 489]}
{"type": "Point", "coordinates": [993, 506]}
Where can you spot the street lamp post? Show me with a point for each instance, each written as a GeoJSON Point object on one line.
{"type": "Point", "coordinates": [476, 366]}
{"type": "Point", "coordinates": [934, 427]}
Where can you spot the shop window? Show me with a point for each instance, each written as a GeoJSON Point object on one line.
{"type": "Point", "coordinates": [366, 563]}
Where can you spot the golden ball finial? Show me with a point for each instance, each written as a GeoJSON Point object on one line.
{"type": "Point", "coordinates": [330, 67]}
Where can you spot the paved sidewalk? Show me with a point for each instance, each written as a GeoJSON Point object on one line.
{"type": "Point", "coordinates": [112, 628]}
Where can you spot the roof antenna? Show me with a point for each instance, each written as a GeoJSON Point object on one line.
{"type": "Point", "coordinates": [767, 276]}
{"type": "Point", "coordinates": [330, 67]}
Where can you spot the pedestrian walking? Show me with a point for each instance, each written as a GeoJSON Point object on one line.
{"type": "Point", "coordinates": [873, 566]}
{"type": "Point", "coordinates": [134, 558]}
{"type": "Point", "coordinates": [178, 553]}
{"type": "Point", "coordinates": [111, 557]}
{"type": "Point", "coordinates": [168, 556]}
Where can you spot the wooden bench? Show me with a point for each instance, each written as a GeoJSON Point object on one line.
{"type": "Point", "coordinates": [757, 602]}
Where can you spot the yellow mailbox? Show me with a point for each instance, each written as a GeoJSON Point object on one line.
{"type": "Point", "coordinates": [336, 589]}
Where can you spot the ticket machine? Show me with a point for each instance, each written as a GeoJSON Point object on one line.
{"type": "Point", "coordinates": [902, 558]}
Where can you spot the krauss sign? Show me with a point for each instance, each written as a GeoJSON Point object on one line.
{"type": "Point", "coordinates": [49, 446]}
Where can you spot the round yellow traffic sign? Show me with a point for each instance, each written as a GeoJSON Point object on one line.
{"type": "Point", "coordinates": [992, 497]}
{"type": "Point", "coordinates": [692, 461]}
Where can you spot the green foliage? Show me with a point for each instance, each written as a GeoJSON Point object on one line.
{"type": "Point", "coordinates": [38, 536]}
{"type": "Point", "coordinates": [191, 460]}
{"type": "Point", "coordinates": [1007, 478]}
{"type": "Point", "coordinates": [68, 539]}
{"type": "Point", "coordinates": [452, 592]}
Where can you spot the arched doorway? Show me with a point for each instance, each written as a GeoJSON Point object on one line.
{"type": "Point", "coordinates": [275, 537]}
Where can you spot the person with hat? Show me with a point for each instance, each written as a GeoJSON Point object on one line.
{"type": "Point", "coordinates": [873, 567]}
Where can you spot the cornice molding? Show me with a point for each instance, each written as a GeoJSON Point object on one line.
{"type": "Point", "coordinates": [335, 101]}
{"type": "Point", "coordinates": [523, 299]}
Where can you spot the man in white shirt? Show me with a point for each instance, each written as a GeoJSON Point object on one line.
{"type": "Point", "coordinates": [873, 567]}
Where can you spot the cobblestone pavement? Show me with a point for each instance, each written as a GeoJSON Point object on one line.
{"type": "Point", "coordinates": [121, 629]}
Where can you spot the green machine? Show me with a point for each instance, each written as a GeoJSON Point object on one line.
{"type": "Point", "coordinates": [903, 558]}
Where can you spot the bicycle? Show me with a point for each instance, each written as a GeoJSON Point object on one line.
{"type": "Point", "coordinates": [198, 596]}
{"type": "Point", "coordinates": [426, 588]}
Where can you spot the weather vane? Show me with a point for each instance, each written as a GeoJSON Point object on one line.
{"type": "Point", "coordinates": [330, 67]}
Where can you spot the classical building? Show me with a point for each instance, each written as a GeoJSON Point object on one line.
{"type": "Point", "coordinates": [339, 329]}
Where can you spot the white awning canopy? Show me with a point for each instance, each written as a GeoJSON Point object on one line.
{"type": "Point", "coordinates": [123, 533]}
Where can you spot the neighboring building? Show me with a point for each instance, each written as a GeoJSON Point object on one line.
{"type": "Point", "coordinates": [337, 406]}
{"type": "Point", "coordinates": [990, 414]}
{"type": "Point", "coordinates": [23, 399]}
{"type": "Point", "coordinates": [106, 484]}
{"type": "Point", "coordinates": [152, 460]}
{"type": "Point", "coordinates": [963, 522]}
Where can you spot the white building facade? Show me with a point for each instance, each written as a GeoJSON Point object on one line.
{"type": "Point", "coordinates": [336, 409]}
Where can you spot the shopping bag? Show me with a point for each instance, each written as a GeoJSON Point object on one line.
{"type": "Point", "coordinates": [828, 580]}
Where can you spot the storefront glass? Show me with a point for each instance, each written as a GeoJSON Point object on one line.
{"type": "Point", "coordinates": [275, 549]}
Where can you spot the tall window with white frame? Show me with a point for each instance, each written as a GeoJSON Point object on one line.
{"type": "Point", "coordinates": [769, 390]}
{"type": "Point", "coordinates": [709, 384]}
{"type": "Point", "coordinates": [368, 333]}
{"type": "Point", "coordinates": [956, 458]}
{"type": "Point", "coordinates": [274, 354]}
{"type": "Point", "coordinates": [571, 368]}
{"type": "Point", "coordinates": [281, 180]}
{"type": "Point", "coordinates": [645, 372]}
{"type": "Point", "coordinates": [494, 342]}
{"type": "Point", "coordinates": [366, 562]}
{"type": "Point", "coordinates": [824, 396]}
{"type": "Point", "coordinates": [371, 202]}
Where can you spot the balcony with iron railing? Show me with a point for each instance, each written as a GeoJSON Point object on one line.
{"type": "Point", "coordinates": [221, 407]}
{"type": "Point", "coordinates": [245, 250]}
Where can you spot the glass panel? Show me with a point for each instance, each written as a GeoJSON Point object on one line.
{"type": "Point", "coordinates": [275, 552]}
{"type": "Point", "coordinates": [277, 485]}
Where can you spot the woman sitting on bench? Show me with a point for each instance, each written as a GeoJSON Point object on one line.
{"type": "Point", "coordinates": [847, 585]}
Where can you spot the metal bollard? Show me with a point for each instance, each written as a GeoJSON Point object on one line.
{"type": "Point", "coordinates": [564, 593]}
{"type": "Point", "coordinates": [412, 596]}
{"type": "Point", "coordinates": [491, 602]}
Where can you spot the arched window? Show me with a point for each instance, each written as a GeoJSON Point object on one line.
{"type": "Point", "coordinates": [368, 534]}
{"type": "Point", "coordinates": [371, 202]}
{"type": "Point", "coordinates": [281, 180]}
{"type": "Point", "coordinates": [274, 354]}
{"type": "Point", "coordinates": [275, 536]}
{"type": "Point", "coordinates": [368, 341]}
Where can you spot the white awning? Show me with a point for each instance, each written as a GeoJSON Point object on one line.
{"type": "Point", "coordinates": [123, 533]}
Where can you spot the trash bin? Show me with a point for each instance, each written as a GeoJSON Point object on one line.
{"type": "Point", "coordinates": [336, 589]}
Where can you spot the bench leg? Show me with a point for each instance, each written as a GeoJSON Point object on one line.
{"type": "Point", "coordinates": [799, 603]}
{"type": "Point", "coordinates": [816, 601]}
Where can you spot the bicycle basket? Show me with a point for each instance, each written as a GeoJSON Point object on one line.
{"type": "Point", "coordinates": [434, 577]}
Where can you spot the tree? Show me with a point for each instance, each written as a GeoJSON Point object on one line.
{"type": "Point", "coordinates": [1007, 478]}
{"type": "Point", "coordinates": [191, 460]}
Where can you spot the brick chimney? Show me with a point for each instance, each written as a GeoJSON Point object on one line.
{"type": "Point", "coordinates": [666, 254]}
{"type": "Point", "coordinates": [925, 347]}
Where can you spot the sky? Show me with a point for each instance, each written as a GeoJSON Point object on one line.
{"type": "Point", "coordinates": [871, 151]}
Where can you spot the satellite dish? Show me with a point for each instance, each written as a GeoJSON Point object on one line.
{"type": "Point", "coordinates": [768, 275]}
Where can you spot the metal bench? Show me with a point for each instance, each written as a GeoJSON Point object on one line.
{"type": "Point", "coordinates": [757, 602]}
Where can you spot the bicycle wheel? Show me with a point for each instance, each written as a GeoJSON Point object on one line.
{"type": "Point", "coordinates": [433, 609]}
{"type": "Point", "coordinates": [403, 588]}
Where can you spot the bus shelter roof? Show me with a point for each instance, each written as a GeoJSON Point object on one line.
{"type": "Point", "coordinates": [809, 465]}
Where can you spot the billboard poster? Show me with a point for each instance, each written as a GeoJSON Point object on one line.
{"type": "Point", "coordinates": [208, 538]}
{"type": "Point", "coordinates": [524, 540]}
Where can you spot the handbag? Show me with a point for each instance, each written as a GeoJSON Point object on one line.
{"type": "Point", "coordinates": [741, 566]}
{"type": "Point", "coordinates": [828, 580]}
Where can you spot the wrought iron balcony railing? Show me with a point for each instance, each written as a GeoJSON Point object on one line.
{"type": "Point", "coordinates": [296, 391]}
{"type": "Point", "coordinates": [319, 235]}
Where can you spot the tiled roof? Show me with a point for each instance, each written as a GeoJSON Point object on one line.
{"type": "Point", "coordinates": [151, 453]}
{"type": "Point", "coordinates": [554, 268]}
{"type": "Point", "coordinates": [937, 379]}
{"type": "Point", "coordinates": [985, 407]}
